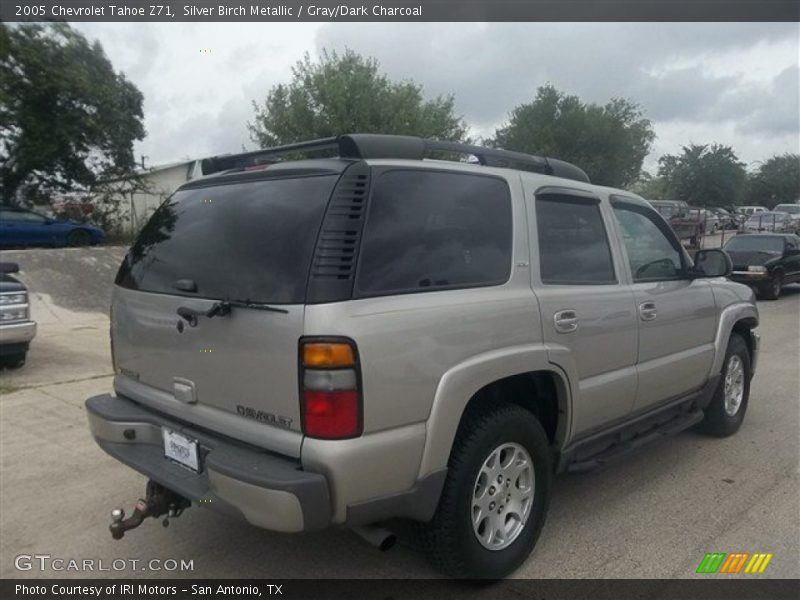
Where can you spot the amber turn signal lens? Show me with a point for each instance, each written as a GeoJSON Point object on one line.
{"type": "Point", "coordinates": [319, 354]}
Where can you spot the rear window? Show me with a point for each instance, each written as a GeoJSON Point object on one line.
{"type": "Point", "coordinates": [430, 230]}
{"type": "Point", "coordinates": [246, 241]}
{"type": "Point", "coordinates": [573, 245]}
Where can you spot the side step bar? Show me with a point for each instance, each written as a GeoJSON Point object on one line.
{"type": "Point", "coordinates": [627, 447]}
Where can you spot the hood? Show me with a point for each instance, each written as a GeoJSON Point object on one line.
{"type": "Point", "coordinates": [751, 257]}
{"type": "Point", "coordinates": [9, 284]}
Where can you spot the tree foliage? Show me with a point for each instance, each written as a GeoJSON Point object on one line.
{"type": "Point", "coordinates": [776, 181]}
{"type": "Point", "coordinates": [704, 175]}
{"type": "Point", "coordinates": [608, 142]}
{"type": "Point", "coordinates": [346, 93]}
{"type": "Point", "coordinates": [66, 117]}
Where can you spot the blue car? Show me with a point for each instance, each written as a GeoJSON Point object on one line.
{"type": "Point", "coordinates": [20, 227]}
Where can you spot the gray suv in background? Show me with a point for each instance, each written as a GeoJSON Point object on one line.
{"type": "Point", "coordinates": [375, 335]}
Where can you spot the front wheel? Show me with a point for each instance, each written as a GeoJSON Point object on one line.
{"type": "Point", "coordinates": [13, 361]}
{"type": "Point", "coordinates": [495, 497]}
{"type": "Point", "coordinates": [725, 413]}
{"type": "Point", "coordinates": [772, 290]}
{"type": "Point", "coordinates": [79, 237]}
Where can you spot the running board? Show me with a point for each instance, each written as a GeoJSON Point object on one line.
{"type": "Point", "coordinates": [622, 449]}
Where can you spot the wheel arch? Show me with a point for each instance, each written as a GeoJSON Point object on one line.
{"type": "Point", "coordinates": [741, 318]}
{"type": "Point", "coordinates": [522, 375]}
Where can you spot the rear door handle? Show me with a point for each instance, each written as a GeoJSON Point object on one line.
{"type": "Point", "coordinates": [647, 311]}
{"type": "Point", "coordinates": [565, 321]}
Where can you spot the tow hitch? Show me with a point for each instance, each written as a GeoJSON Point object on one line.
{"type": "Point", "coordinates": [159, 501]}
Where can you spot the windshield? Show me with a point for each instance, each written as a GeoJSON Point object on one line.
{"type": "Point", "coordinates": [243, 241]}
{"type": "Point", "coordinates": [793, 209]}
{"type": "Point", "coordinates": [755, 243]}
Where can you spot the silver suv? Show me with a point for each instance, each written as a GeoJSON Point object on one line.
{"type": "Point", "coordinates": [343, 341]}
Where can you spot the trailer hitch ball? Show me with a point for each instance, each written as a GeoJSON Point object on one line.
{"type": "Point", "coordinates": [159, 501]}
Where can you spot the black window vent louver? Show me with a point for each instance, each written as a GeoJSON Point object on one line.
{"type": "Point", "coordinates": [334, 264]}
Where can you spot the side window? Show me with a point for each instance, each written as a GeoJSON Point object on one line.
{"type": "Point", "coordinates": [651, 254]}
{"type": "Point", "coordinates": [429, 230]}
{"type": "Point", "coordinates": [26, 216]}
{"type": "Point", "coordinates": [573, 244]}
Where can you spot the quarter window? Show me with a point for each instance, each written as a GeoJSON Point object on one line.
{"type": "Point", "coordinates": [573, 245]}
{"type": "Point", "coordinates": [651, 253]}
{"type": "Point", "coordinates": [430, 230]}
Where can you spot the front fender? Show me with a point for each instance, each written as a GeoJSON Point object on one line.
{"type": "Point", "coordinates": [460, 383]}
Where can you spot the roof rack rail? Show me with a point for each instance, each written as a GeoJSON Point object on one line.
{"type": "Point", "coordinates": [369, 145]}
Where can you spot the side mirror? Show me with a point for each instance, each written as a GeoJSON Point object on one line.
{"type": "Point", "coordinates": [792, 251]}
{"type": "Point", "coordinates": [8, 268]}
{"type": "Point", "coordinates": [712, 263]}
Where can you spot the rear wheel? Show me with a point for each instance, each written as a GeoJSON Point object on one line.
{"type": "Point", "coordinates": [772, 290]}
{"type": "Point", "coordinates": [725, 413]}
{"type": "Point", "coordinates": [79, 237]}
{"type": "Point", "coordinates": [495, 498]}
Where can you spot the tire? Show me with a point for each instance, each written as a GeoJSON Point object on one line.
{"type": "Point", "coordinates": [79, 237]}
{"type": "Point", "coordinates": [450, 539]}
{"type": "Point", "coordinates": [772, 290]}
{"type": "Point", "coordinates": [13, 361]}
{"type": "Point", "coordinates": [724, 418]}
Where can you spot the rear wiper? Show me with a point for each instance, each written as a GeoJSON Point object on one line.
{"type": "Point", "coordinates": [223, 308]}
{"type": "Point", "coordinates": [254, 305]}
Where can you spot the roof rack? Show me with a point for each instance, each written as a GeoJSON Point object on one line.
{"type": "Point", "coordinates": [369, 145]}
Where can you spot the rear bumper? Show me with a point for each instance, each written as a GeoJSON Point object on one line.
{"type": "Point", "coordinates": [267, 490]}
{"type": "Point", "coordinates": [17, 333]}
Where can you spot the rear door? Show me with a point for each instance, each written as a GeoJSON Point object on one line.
{"type": "Point", "coordinates": [249, 243]}
{"type": "Point", "coordinates": [677, 315]}
{"type": "Point", "coordinates": [588, 312]}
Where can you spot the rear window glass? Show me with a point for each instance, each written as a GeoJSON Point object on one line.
{"type": "Point", "coordinates": [246, 241]}
{"type": "Point", "coordinates": [429, 230]}
{"type": "Point", "coordinates": [573, 245]}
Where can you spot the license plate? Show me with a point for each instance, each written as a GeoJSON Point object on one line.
{"type": "Point", "coordinates": [181, 449]}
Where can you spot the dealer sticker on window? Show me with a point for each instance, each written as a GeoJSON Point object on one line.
{"type": "Point", "coordinates": [180, 448]}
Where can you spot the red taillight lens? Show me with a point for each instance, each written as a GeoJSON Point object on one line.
{"type": "Point", "coordinates": [330, 388]}
{"type": "Point", "coordinates": [331, 415]}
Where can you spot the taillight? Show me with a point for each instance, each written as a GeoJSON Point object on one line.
{"type": "Point", "coordinates": [330, 389]}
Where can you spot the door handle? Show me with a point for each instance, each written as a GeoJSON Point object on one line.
{"type": "Point", "coordinates": [647, 311]}
{"type": "Point", "coordinates": [566, 321]}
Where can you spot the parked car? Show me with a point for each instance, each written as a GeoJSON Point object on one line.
{"type": "Point", "coordinates": [775, 222]}
{"type": "Point", "coordinates": [793, 210]}
{"type": "Point", "coordinates": [727, 220]}
{"type": "Point", "coordinates": [21, 227]}
{"type": "Point", "coordinates": [17, 329]}
{"type": "Point", "coordinates": [751, 210]}
{"type": "Point", "coordinates": [766, 262]}
{"type": "Point", "coordinates": [690, 225]}
{"type": "Point", "coordinates": [669, 208]}
{"type": "Point", "coordinates": [442, 339]}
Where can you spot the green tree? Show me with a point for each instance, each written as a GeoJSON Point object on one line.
{"type": "Point", "coordinates": [704, 175]}
{"type": "Point", "coordinates": [776, 181]}
{"type": "Point", "coordinates": [649, 186]}
{"type": "Point", "coordinates": [608, 142]}
{"type": "Point", "coordinates": [66, 117]}
{"type": "Point", "coordinates": [346, 93]}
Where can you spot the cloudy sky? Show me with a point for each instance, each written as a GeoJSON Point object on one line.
{"type": "Point", "coordinates": [730, 83]}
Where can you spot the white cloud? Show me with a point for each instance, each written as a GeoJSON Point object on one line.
{"type": "Point", "coordinates": [731, 83]}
